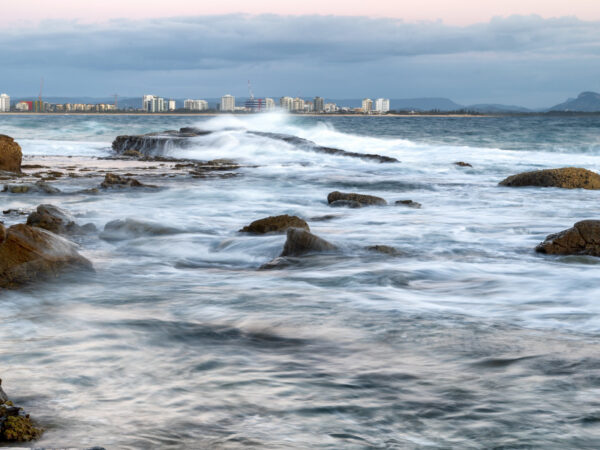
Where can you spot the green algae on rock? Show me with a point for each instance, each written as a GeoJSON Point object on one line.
{"type": "Point", "coordinates": [15, 424]}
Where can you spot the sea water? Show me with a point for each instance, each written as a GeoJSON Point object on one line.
{"type": "Point", "coordinates": [469, 339]}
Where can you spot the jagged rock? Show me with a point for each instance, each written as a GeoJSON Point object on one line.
{"type": "Point", "coordinates": [408, 203]}
{"type": "Point", "coordinates": [462, 164]}
{"type": "Point", "coordinates": [567, 177]}
{"type": "Point", "coordinates": [15, 425]}
{"type": "Point", "coordinates": [361, 199]}
{"type": "Point", "coordinates": [385, 249]}
{"type": "Point", "coordinates": [29, 254]}
{"type": "Point", "coordinates": [132, 154]}
{"type": "Point", "coordinates": [38, 187]}
{"type": "Point", "coordinates": [117, 230]}
{"type": "Point", "coordinates": [57, 220]}
{"type": "Point", "coordinates": [112, 180]}
{"type": "Point", "coordinates": [10, 154]}
{"type": "Point", "coordinates": [275, 224]}
{"type": "Point", "coordinates": [300, 242]}
{"type": "Point", "coordinates": [583, 239]}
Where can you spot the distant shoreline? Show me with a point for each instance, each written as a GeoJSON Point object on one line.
{"type": "Point", "coordinates": [212, 114]}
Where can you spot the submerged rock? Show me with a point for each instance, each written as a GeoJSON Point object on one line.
{"type": "Point", "coordinates": [10, 154]}
{"type": "Point", "coordinates": [567, 178]}
{"type": "Point", "coordinates": [29, 254]}
{"type": "Point", "coordinates": [408, 203]}
{"type": "Point", "coordinates": [360, 199]}
{"type": "Point", "coordinates": [57, 220]}
{"type": "Point", "coordinates": [345, 204]}
{"type": "Point", "coordinates": [300, 242]}
{"type": "Point", "coordinates": [275, 224]}
{"type": "Point", "coordinates": [119, 229]}
{"type": "Point", "coordinates": [385, 249]}
{"type": "Point", "coordinates": [38, 187]}
{"type": "Point", "coordinates": [462, 164]}
{"type": "Point", "coordinates": [582, 239]}
{"type": "Point", "coordinates": [15, 425]}
{"type": "Point", "coordinates": [112, 180]}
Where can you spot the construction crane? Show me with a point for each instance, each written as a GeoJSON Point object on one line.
{"type": "Point", "coordinates": [250, 91]}
{"type": "Point", "coordinates": [116, 101]}
{"type": "Point", "coordinates": [41, 89]}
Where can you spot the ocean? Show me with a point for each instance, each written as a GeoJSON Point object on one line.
{"type": "Point", "coordinates": [468, 339]}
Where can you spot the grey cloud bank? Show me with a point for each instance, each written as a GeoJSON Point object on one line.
{"type": "Point", "coordinates": [522, 59]}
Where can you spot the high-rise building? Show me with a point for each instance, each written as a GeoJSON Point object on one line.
{"type": "Point", "coordinates": [298, 105]}
{"type": "Point", "coordinates": [382, 105]}
{"type": "Point", "coordinates": [195, 105]}
{"type": "Point", "coordinates": [269, 104]}
{"type": "Point", "coordinates": [286, 103]}
{"type": "Point", "coordinates": [172, 105]}
{"type": "Point", "coordinates": [4, 103]}
{"type": "Point", "coordinates": [367, 105]}
{"type": "Point", "coordinates": [152, 103]}
{"type": "Point", "coordinates": [228, 103]}
{"type": "Point", "coordinates": [255, 104]}
{"type": "Point", "coordinates": [319, 105]}
{"type": "Point", "coordinates": [330, 107]}
{"type": "Point", "coordinates": [23, 106]}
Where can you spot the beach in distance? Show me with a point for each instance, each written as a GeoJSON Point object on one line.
{"type": "Point", "coordinates": [394, 297]}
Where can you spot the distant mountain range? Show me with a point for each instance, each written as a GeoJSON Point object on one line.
{"type": "Point", "coordinates": [585, 102]}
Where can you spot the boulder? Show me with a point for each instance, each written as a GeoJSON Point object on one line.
{"type": "Point", "coordinates": [29, 254]}
{"type": "Point", "coordinates": [112, 180]}
{"type": "Point", "coordinates": [300, 242]}
{"type": "Point", "coordinates": [361, 199]}
{"type": "Point", "coordinates": [275, 224]}
{"type": "Point", "coordinates": [56, 220]}
{"type": "Point", "coordinates": [119, 229]}
{"type": "Point", "coordinates": [38, 187]}
{"type": "Point", "coordinates": [408, 203]}
{"type": "Point", "coordinates": [567, 178]}
{"type": "Point", "coordinates": [10, 154]}
{"type": "Point", "coordinates": [15, 425]}
{"type": "Point", "coordinates": [345, 204]}
{"type": "Point", "coordinates": [462, 164]}
{"type": "Point", "coordinates": [582, 239]}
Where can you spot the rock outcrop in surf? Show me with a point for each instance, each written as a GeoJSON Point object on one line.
{"type": "Point", "coordinates": [15, 424]}
{"type": "Point", "coordinates": [10, 154]}
{"type": "Point", "coordinates": [275, 224]}
{"type": "Point", "coordinates": [581, 239]}
{"type": "Point", "coordinates": [566, 177]}
{"type": "Point", "coordinates": [156, 144]}
{"type": "Point", "coordinates": [57, 220]}
{"type": "Point", "coordinates": [300, 242]}
{"type": "Point", "coordinates": [353, 200]}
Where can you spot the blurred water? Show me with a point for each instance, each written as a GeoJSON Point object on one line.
{"type": "Point", "coordinates": [469, 340]}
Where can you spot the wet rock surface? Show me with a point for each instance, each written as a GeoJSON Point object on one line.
{"type": "Point", "coordinates": [354, 200]}
{"type": "Point", "coordinates": [112, 180]}
{"type": "Point", "coordinates": [40, 187]}
{"type": "Point", "coordinates": [408, 203]}
{"type": "Point", "coordinates": [10, 154]}
{"type": "Point", "coordinates": [15, 424]}
{"type": "Point", "coordinates": [57, 220]}
{"type": "Point", "coordinates": [300, 242]}
{"type": "Point", "coordinates": [566, 177]}
{"type": "Point", "coordinates": [384, 249]}
{"type": "Point", "coordinates": [29, 254]}
{"type": "Point", "coordinates": [132, 228]}
{"type": "Point", "coordinates": [275, 224]}
{"type": "Point", "coordinates": [462, 164]}
{"type": "Point", "coordinates": [582, 239]}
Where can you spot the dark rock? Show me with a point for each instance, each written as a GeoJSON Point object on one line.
{"type": "Point", "coordinates": [582, 239]}
{"type": "Point", "coordinates": [463, 164]}
{"type": "Point", "coordinates": [29, 254]}
{"type": "Point", "coordinates": [15, 425]}
{"type": "Point", "coordinates": [112, 180]}
{"type": "Point", "coordinates": [57, 220]}
{"type": "Point", "coordinates": [300, 242]}
{"type": "Point", "coordinates": [567, 177]}
{"type": "Point", "coordinates": [275, 224]}
{"type": "Point", "coordinates": [408, 203]}
{"type": "Point", "coordinates": [132, 154]}
{"type": "Point", "coordinates": [10, 154]}
{"type": "Point", "coordinates": [15, 212]}
{"type": "Point", "coordinates": [361, 199]}
{"type": "Point", "coordinates": [117, 230]}
{"type": "Point", "coordinates": [385, 249]}
{"type": "Point", "coordinates": [38, 187]}
{"type": "Point", "coordinates": [345, 204]}
{"type": "Point", "coordinates": [324, 218]}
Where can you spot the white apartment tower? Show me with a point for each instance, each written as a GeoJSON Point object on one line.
{"type": "Point", "coordinates": [367, 105]}
{"type": "Point", "coordinates": [228, 103]}
{"type": "Point", "coordinates": [152, 103]}
{"type": "Point", "coordinates": [269, 104]}
{"type": "Point", "coordinates": [382, 105]}
{"type": "Point", "coordinates": [286, 103]}
{"type": "Point", "coordinates": [172, 105]}
{"type": "Point", "coordinates": [195, 105]}
{"type": "Point", "coordinates": [298, 104]}
{"type": "Point", "coordinates": [4, 103]}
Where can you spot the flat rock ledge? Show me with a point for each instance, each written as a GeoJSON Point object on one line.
{"type": "Point", "coordinates": [29, 254]}
{"type": "Point", "coordinates": [353, 200]}
{"type": "Point", "coordinates": [566, 178]}
{"type": "Point", "coordinates": [275, 224]}
{"type": "Point", "coordinates": [582, 239]}
{"type": "Point", "coordinates": [15, 424]}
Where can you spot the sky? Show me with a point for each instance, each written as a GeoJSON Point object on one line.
{"type": "Point", "coordinates": [529, 52]}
